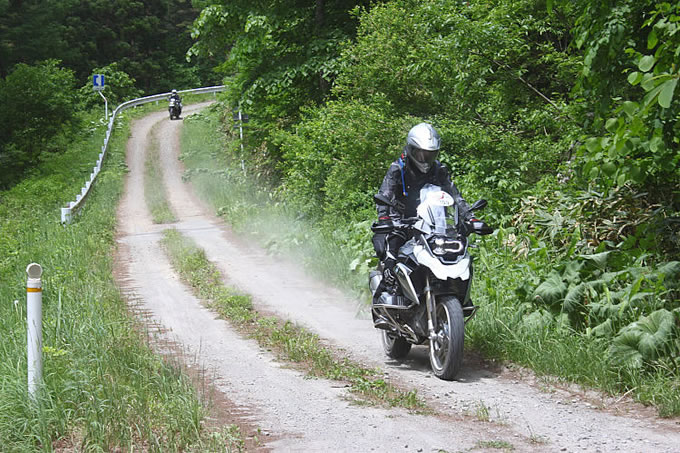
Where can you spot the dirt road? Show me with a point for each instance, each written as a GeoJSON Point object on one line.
{"type": "Point", "coordinates": [487, 409]}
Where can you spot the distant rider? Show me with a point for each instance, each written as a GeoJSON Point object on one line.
{"type": "Point", "coordinates": [399, 194]}
{"type": "Point", "coordinates": [175, 95]}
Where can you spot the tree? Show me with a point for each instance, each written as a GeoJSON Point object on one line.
{"type": "Point", "coordinates": [37, 102]}
{"type": "Point", "coordinates": [632, 65]}
{"type": "Point", "coordinates": [278, 54]}
{"type": "Point", "coordinates": [146, 39]}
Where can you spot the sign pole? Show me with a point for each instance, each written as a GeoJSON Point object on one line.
{"type": "Point", "coordinates": [106, 106]}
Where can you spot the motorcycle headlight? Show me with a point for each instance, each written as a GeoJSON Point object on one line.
{"type": "Point", "coordinates": [442, 246]}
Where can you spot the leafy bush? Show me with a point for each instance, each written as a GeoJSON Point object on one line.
{"type": "Point", "coordinates": [337, 157]}
{"type": "Point", "coordinates": [280, 55]}
{"type": "Point", "coordinates": [631, 63]}
{"type": "Point", "coordinates": [648, 339]}
{"type": "Point", "coordinates": [37, 103]}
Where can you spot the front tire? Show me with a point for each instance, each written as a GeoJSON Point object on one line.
{"type": "Point", "coordinates": [446, 351]}
{"type": "Point", "coordinates": [395, 347]}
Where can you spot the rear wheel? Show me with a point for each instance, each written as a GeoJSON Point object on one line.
{"type": "Point", "coordinates": [395, 347]}
{"type": "Point", "coordinates": [446, 350]}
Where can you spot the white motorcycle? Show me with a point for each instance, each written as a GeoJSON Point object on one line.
{"type": "Point", "coordinates": [430, 300]}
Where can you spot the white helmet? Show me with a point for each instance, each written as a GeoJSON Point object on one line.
{"type": "Point", "coordinates": [174, 91]}
{"type": "Point", "coordinates": [422, 145]}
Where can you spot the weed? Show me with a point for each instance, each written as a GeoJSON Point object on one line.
{"type": "Point", "coordinates": [499, 444]}
{"type": "Point", "coordinates": [482, 412]}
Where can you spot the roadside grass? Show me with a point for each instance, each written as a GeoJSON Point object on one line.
{"type": "Point", "coordinates": [104, 389]}
{"type": "Point", "coordinates": [154, 187]}
{"type": "Point", "coordinates": [499, 329]}
{"type": "Point", "coordinates": [289, 341]}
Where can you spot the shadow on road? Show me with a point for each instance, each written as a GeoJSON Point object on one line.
{"type": "Point", "coordinates": [475, 367]}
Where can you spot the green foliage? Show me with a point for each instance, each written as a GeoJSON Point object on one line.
{"type": "Point", "coordinates": [592, 291]}
{"type": "Point", "coordinates": [605, 276]}
{"type": "Point", "coordinates": [574, 220]}
{"type": "Point", "coordinates": [256, 209]}
{"type": "Point", "coordinates": [603, 30]}
{"type": "Point", "coordinates": [37, 103]}
{"type": "Point", "coordinates": [498, 130]}
{"type": "Point", "coordinates": [104, 388]}
{"type": "Point", "coordinates": [336, 158]}
{"type": "Point", "coordinates": [279, 55]}
{"type": "Point", "coordinates": [634, 139]}
{"type": "Point", "coordinates": [146, 39]}
{"type": "Point", "coordinates": [562, 114]}
{"type": "Point", "coordinates": [49, 47]}
{"type": "Point", "coordinates": [467, 59]}
{"type": "Point", "coordinates": [648, 339]}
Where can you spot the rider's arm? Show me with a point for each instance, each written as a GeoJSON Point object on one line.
{"type": "Point", "coordinates": [390, 186]}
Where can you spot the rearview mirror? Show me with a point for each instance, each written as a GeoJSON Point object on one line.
{"type": "Point", "coordinates": [479, 204]}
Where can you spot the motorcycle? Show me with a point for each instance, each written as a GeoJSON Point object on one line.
{"type": "Point", "coordinates": [430, 299]}
{"type": "Point", "coordinates": [175, 108]}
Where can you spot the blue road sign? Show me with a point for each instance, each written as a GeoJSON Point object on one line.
{"type": "Point", "coordinates": [98, 82]}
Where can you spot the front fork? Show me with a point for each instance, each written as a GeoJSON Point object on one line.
{"type": "Point", "coordinates": [431, 312]}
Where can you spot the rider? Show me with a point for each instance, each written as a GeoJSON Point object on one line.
{"type": "Point", "coordinates": [175, 95]}
{"type": "Point", "coordinates": [399, 194]}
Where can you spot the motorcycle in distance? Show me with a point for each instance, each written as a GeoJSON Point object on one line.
{"type": "Point", "coordinates": [430, 300]}
{"type": "Point", "coordinates": [175, 108]}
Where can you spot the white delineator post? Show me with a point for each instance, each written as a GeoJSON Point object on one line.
{"type": "Point", "coordinates": [34, 320]}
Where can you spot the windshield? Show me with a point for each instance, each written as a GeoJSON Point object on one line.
{"type": "Point", "coordinates": [434, 204]}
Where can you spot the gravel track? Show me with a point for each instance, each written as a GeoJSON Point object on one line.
{"type": "Point", "coordinates": [294, 413]}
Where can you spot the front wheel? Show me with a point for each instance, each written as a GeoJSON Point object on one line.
{"type": "Point", "coordinates": [446, 349]}
{"type": "Point", "coordinates": [395, 347]}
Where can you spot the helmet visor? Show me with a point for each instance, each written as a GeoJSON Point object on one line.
{"type": "Point", "coordinates": [424, 156]}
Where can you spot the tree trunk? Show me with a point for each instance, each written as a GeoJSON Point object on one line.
{"type": "Point", "coordinates": [319, 17]}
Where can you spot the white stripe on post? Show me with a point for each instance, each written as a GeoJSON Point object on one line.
{"type": "Point", "coordinates": [34, 320]}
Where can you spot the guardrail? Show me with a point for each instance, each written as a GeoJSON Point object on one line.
{"type": "Point", "coordinates": [73, 206]}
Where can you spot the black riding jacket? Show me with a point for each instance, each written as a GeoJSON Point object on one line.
{"type": "Point", "coordinates": [407, 194]}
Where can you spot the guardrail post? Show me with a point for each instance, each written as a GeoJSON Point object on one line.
{"type": "Point", "coordinates": [66, 215]}
{"type": "Point", "coordinates": [34, 320]}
